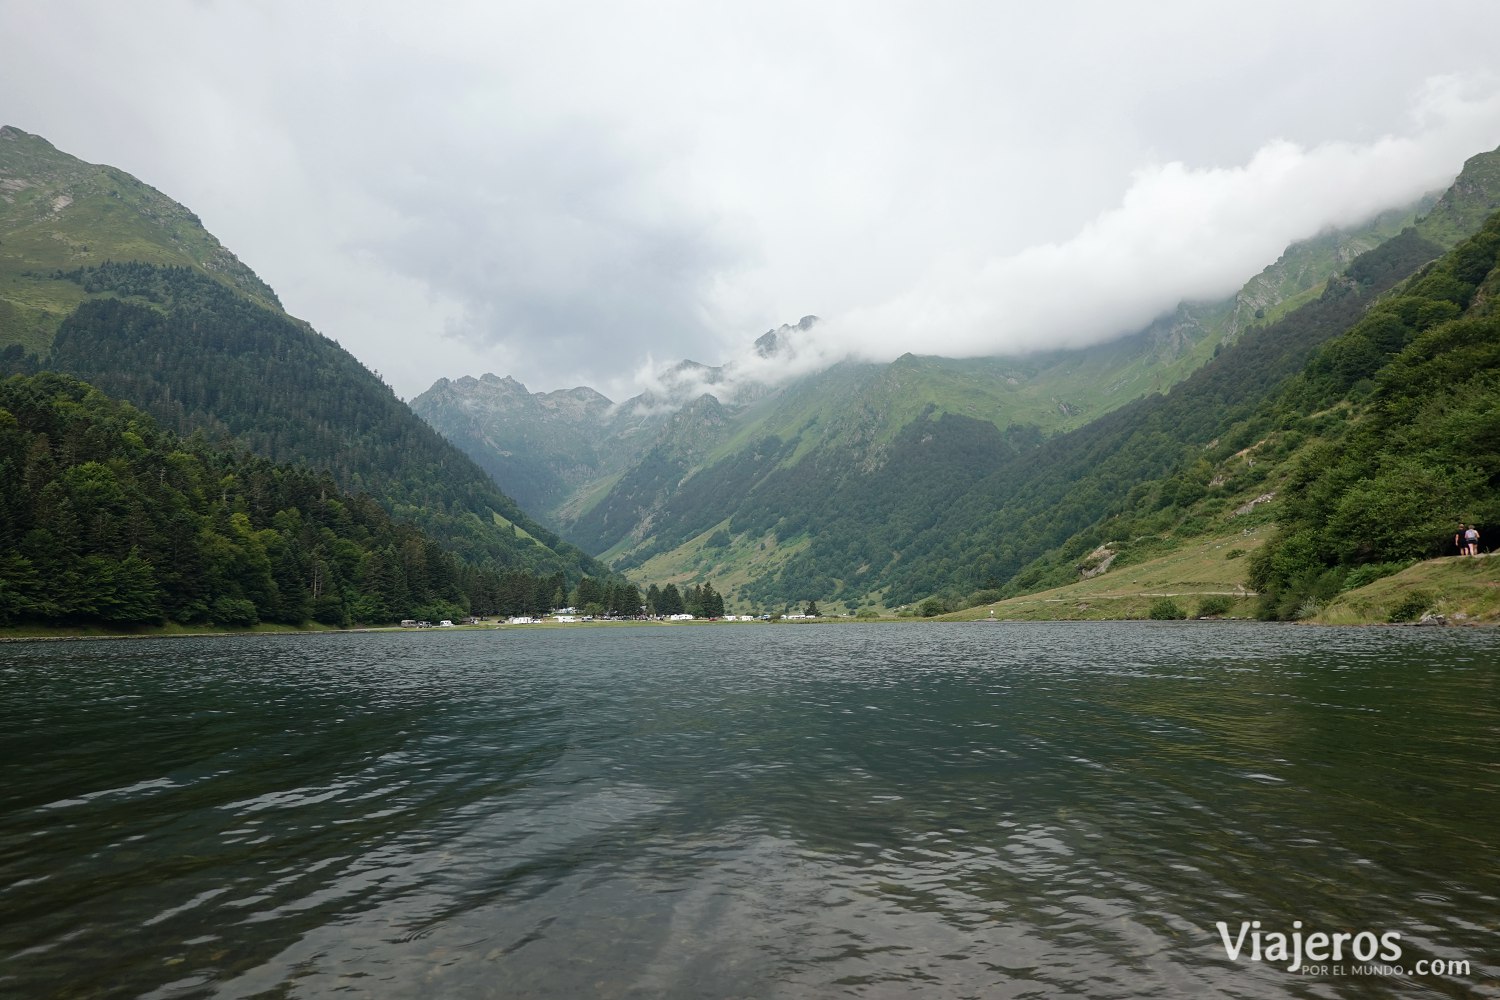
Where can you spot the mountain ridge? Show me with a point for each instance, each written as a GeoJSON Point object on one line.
{"type": "Point", "coordinates": [60, 212]}
{"type": "Point", "coordinates": [105, 278]}
{"type": "Point", "coordinates": [861, 409]}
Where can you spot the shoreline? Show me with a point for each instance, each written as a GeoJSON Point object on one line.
{"type": "Point", "coordinates": [940, 619]}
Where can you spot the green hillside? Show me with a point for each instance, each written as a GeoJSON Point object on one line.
{"type": "Point", "coordinates": [108, 520]}
{"type": "Point", "coordinates": [1203, 575]}
{"type": "Point", "coordinates": [608, 482]}
{"type": "Point", "coordinates": [821, 491]}
{"type": "Point", "coordinates": [59, 213]}
{"type": "Point", "coordinates": [1207, 576]}
{"type": "Point", "coordinates": [1419, 449]}
{"type": "Point", "coordinates": [108, 280]}
{"type": "Point", "coordinates": [1456, 590]}
{"type": "Point", "coordinates": [1354, 474]}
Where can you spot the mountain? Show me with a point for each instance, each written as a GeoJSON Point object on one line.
{"type": "Point", "coordinates": [844, 486]}
{"type": "Point", "coordinates": [106, 279]}
{"type": "Point", "coordinates": [60, 213]}
{"type": "Point", "coordinates": [559, 450]}
{"type": "Point", "coordinates": [108, 520]}
{"type": "Point", "coordinates": [556, 451]}
{"type": "Point", "coordinates": [1016, 514]}
{"type": "Point", "coordinates": [1336, 496]}
{"type": "Point", "coordinates": [547, 446]}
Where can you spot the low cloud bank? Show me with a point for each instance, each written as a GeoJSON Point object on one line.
{"type": "Point", "coordinates": [1180, 233]}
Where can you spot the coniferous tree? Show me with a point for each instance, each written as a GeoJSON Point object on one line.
{"type": "Point", "coordinates": [710, 602]}
{"type": "Point", "coordinates": [109, 519]}
{"type": "Point", "coordinates": [671, 601]}
{"type": "Point", "coordinates": [627, 600]}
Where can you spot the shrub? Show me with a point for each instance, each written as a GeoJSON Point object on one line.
{"type": "Point", "coordinates": [1370, 572]}
{"type": "Point", "coordinates": [1165, 609]}
{"type": "Point", "coordinates": [1214, 606]}
{"type": "Point", "coordinates": [235, 612]}
{"type": "Point", "coordinates": [1411, 607]}
{"type": "Point", "coordinates": [987, 596]}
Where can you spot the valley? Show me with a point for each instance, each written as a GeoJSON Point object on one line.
{"type": "Point", "coordinates": [871, 488]}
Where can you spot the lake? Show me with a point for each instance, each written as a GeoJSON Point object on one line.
{"type": "Point", "coordinates": [861, 810]}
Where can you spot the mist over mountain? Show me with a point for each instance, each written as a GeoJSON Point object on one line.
{"type": "Point", "coordinates": [797, 469]}
{"type": "Point", "coordinates": [770, 459]}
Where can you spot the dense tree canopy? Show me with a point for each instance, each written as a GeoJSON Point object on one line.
{"type": "Point", "coordinates": [1420, 453]}
{"type": "Point", "coordinates": [107, 518]}
{"type": "Point", "coordinates": [957, 506]}
{"type": "Point", "coordinates": [199, 357]}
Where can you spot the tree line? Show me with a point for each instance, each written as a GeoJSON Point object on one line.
{"type": "Point", "coordinates": [199, 357]}
{"type": "Point", "coordinates": [1420, 451]}
{"type": "Point", "coordinates": [107, 518]}
{"type": "Point", "coordinates": [1376, 449]}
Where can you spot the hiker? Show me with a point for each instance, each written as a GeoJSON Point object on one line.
{"type": "Point", "coordinates": [1458, 540]}
{"type": "Point", "coordinates": [1471, 540]}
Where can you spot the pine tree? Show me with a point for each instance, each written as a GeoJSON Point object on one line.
{"type": "Point", "coordinates": [671, 601]}
{"type": "Point", "coordinates": [711, 601]}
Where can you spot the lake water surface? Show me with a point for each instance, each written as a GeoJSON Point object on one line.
{"type": "Point", "coordinates": [918, 810]}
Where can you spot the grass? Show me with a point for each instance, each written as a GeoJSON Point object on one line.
{"type": "Point", "coordinates": [503, 522]}
{"type": "Point", "coordinates": [1461, 589]}
{"type": "Point", "coordinates": [60, 213]}
{"type": "Point", "coordinates": [41, 632]}
{"type": "Point", "coordinates": [1199, 568]}
{"type": "Point", "coordinates": [727, 568]}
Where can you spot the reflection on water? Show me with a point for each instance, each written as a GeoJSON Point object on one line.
{"type": "Point", "coordinates": [755, 811]}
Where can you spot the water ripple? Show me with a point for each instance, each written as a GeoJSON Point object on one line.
{"type": "Point", "coordinates": [868, 811]}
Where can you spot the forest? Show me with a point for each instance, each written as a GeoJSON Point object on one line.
{"type": "Point", "coordinates": [199, 357]}
{"type": "Point", "coordinates": [1375, 451]}
{"type": "Point", "coordinates": [957, 507]}
{"type": "Point", "coordinates": [106, 518]}
{"type": "Point", "coordinates": [1418, 450]}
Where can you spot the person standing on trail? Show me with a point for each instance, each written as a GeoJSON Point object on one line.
{"type": "Point", "coordinates": [1458, 540]}
{"type": "Point", "coordinates": [1471, 540]}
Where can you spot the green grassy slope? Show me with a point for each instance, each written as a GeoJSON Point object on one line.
{"type": "Point", "coordinates": [60, 213]}
{"type": "Point", "coordinates": [1461, 590]}
{"type": "Point", "coordinates": [1363, 464]}
{"type": "Point", "coordinates": [1212, 565]}
{"type": "Point", "coordinates": [845, 421]}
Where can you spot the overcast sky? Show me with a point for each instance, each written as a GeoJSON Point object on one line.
{"type": "Point", "coordinates": [570, 192]}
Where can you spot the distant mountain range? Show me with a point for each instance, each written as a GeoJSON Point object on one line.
{"type": "Point", "coordinates": [829, 487]}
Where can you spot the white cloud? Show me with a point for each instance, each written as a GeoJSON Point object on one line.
{"type": "Point", "coordinates": [557, 191]}
{"type": "Point", "coordinates": [1179, 233]}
